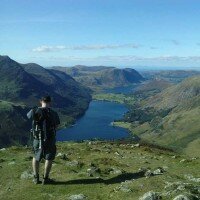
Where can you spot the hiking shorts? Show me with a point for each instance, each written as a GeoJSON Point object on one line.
{"type": "Point", "coordinates": [48, 150]}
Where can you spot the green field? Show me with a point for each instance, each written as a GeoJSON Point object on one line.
{"type": "Point", "coordinates": [119, 98]}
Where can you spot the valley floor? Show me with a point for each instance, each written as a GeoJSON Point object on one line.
{"type": "Point", "coordinates": [100, 171]}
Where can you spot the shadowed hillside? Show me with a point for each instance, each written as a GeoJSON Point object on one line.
{"type": "Point", "coordinates": [21, 87]}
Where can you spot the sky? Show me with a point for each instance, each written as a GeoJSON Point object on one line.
{"type": "Point", "coordinates": [135, 33]}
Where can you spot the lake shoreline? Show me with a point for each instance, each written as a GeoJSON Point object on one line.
{"type": "Point", "coordinates": [96, 123]}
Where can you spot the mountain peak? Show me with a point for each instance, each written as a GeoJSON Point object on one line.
{"type": "Point", "coordinates": [4, 57]}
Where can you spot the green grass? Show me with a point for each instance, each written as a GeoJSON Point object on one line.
{"type": "Point", "coordinates": [74, 180]}
{"type": "Point", "coordinates": [119, 98]}
{"type": "Point", "coordinates": [179, 130]}
{"type": "Point", "coordinates": [5, 106]}
{"type": "Point", "coordinates": [125, 125]}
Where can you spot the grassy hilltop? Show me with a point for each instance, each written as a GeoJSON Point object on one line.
{"type": "Point", "coordinates": [99, 171]}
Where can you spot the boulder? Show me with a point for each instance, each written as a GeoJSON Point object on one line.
{"type": "Point", "coordinates": [148, 173]}
{"type": "Point", "coordinates": [11, 163]}
{"type": "Point", "coordinates": [26, 175]}
{"type": "Point", "coordinates": [77, 197]}
{"type": "Point", "coordinates": [159, 171]}
{"type": "Point", "coordinates": [62, 156]}
{"type": "Point", "coordinates": [182, 197]}
{"type": "Point", "coordinates": [192, 178]}
{"type": "Point", "coordinates": [93, 170]}
{"type": "Point", "coordinates": [151, 196]}
{"type": "Point", "coordinates": [124, 187]}
{"type": "Point", "coordinates": [73, 163]}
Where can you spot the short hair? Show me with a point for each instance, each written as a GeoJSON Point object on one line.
{"type": "Point", "coordinates": [46, 99]}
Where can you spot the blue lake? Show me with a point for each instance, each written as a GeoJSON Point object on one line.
{"type": "Point", "coordinates": [96, 123]}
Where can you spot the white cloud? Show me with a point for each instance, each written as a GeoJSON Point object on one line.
{"type": "Point", "coordinates": [97, 47]}
{"type": "Point", "coordinates": [46, 48]}
{"type": "Point", "coordinates": [132, 58]}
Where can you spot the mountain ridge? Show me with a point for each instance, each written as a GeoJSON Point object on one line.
{"type": "Point", "coordinates": [23, 85]}
{"type": "Point", "coordinates": [102, 76]}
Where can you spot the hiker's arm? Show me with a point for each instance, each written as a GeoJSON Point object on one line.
{"type": "Point", "coordinates": [30, 114]}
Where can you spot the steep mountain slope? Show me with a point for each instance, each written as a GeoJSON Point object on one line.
{"type": "Point", "coordinates": [62, 84]}
{"type": "Point", "coordinates": [19, 86]}
{"type": "Point", "coordinates": [22, 85]}
{"type": "Point", "coordinates": [101, 76]}
{"type": "Point", "coordinates": [13, 124]}
{"type": "Point", "coordinates": [15, 83]}
{"type": "Point", "coordinates": [171, 118]}
{"type": "Point", "coordinates": [177, 95]}
{"type": "Point", "coordinates": [151, 87]}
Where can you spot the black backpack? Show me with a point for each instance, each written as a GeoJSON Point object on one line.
{"type": "Point", "coordinates": [43, 125]}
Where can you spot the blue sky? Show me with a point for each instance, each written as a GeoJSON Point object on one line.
{"type": "Point", "coordinates": [160, 33]}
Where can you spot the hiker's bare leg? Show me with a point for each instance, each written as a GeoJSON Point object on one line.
{"type": "Point", "coordinates": [35, 165]}
{"type": "Point", "coordinates": [47, 168]}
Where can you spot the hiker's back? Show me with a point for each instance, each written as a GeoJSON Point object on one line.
{"type": "Point", "coordinates": [45, 121]}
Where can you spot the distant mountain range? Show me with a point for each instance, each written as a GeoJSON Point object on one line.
{"type": "Point", "coordinates": [173, 76]}
{"type": "Point", "coordinates": [21, 87]}
{"type": "Point", "coordinates": [102, 76]}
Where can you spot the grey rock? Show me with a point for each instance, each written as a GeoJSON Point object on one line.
{"type": "Point", "coordinates": [137, 145]}
{"type": "Point", "coordinates": [93, 170]}
{"type": "Point", "coordinates": [26, 175]}
{"type": "Point", "coordinates": [159, 171]}
{"type": "Point", "coordinates": [123, 188]}
{"type": "Point", "coordinates": [192, 191]}
{"type": "Point", "coordinates": [115, 171]}
{"type": "Point", "coordinates": [77, 197]}
{"type": "Point", "coordinates": [174, 156]}
{"type": "Point", "coordinates": [148, 173]}
{"type": "Point", "coordinates": [73, 163]}
{"type": "Point", "coordinates": [59, 154]}
{"type": "Point", "coordinates": [181, 197]}
{"type": "Point", "coordinates": [183, 161]}
{"type": "Point", "coordinates": [191, 178]}
{"type": "Point", "coordinates": [62, 156]}
{"type": "Point", "coordinates": [117, 153]}
{"type": "Point", "coordinates": [151, 196]}
{"type": "Point", "coordinates": [11, 163]}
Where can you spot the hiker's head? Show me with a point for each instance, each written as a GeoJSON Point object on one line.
{"type": "Point", "coordinates": [45, 101]}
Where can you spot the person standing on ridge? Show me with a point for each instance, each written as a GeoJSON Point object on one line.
{"type": "Point", "coordinates": [44, 124]}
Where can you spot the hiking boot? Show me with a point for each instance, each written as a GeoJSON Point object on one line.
{"type": "Point", "coordinates": [47, 180]}
{"type": "Point", "coordinates": [36, 179]}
